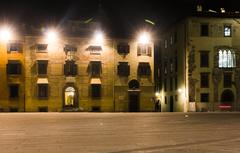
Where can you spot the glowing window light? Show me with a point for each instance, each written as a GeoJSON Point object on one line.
{"type": "Point", "coordinates": [144, 38]}
{"type": "Point", "coordinates": [5, 34]}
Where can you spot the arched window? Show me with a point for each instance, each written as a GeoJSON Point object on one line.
{"type": "Point", "coordinates": [226, 58]}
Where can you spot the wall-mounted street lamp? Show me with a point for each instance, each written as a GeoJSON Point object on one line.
{"type": "Point", "coordinates": [98, 38]}
{"type": "Point", "coordinates": [51, 36]}
{"type": "Point", "coordinates": [5, 34]}
{"type": "Point", "coordinates": [144, 38]}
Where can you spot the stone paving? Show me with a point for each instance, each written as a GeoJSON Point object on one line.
{"type": "Point", "coordinates": [119, 132]}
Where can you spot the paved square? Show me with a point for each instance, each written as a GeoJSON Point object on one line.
{"type": "Point", "coordinates": [119, 132]}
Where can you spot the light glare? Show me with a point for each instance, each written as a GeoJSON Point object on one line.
{"type": "Point", "coordinates": [5, 34]}
{"type": "Point", "coordinates": [99, 38]}
{"type": "Point", "coordinates": [52, 36]}
{"type": "Point", "coordinates": [144, 38]}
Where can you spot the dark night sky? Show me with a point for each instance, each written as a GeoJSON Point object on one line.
{"type": "Point", "coordinates": [121, 14]}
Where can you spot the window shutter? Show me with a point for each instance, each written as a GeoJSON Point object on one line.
{"type": "Point", "coordinates": [138, 50]}
{"type": "Point", "coordinates": [149, 51]}
{"type": "Point", "coordinates": [74, 69]}
{"type": "Point", "coordinates": [65, 69]}
{"type": "Point", "coordinates": [128, 70]}
{"type": "Point", "coordinates": [18, 68]}
{"type": "Point", "coordinates": [119, 69]}
{"type": "Point", "coordinates": [8, 69]}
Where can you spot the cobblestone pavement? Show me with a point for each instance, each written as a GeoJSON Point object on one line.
{"type": "Point", "coordinates": [119, 132]}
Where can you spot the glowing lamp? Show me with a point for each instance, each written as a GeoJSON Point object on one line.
{"type": "Point", "coordinates": [5, 34]}
{"type": "Point", "coordinates": [98, 37]}
{"type": "Point", "coordinates": [144, 38]}
{"type": "Point", "coordinates": [52, 36]}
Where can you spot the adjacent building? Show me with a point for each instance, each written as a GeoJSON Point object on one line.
{"type": "Point", "coordinates": [200, 65]}
{"type": "Point", "coordinates": [73, 71]}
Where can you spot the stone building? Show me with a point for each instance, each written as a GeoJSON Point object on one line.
{"type": "Point", "coordinates": [73, 71]}
{"type": "Point", "coordinates": [200, 69]}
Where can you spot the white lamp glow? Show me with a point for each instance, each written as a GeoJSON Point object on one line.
{"type": "Point", "coordinates": [5, 34]}
{"type": "Point", "coordinates": [99, 38]}
{"type": "Point", "coordinates": [52, 36]}
{"type": "Point", "coordinates": [144, 38]}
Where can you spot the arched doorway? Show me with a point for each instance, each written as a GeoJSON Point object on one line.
{"type": "Point", "coordinates": [227, 96]}
{"type": "Point", "coordinates": [133, 95]}
{"type": "Point", "coordinates": [70, 98]}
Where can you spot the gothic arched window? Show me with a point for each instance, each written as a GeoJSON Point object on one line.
{"type": "Point", "coordinates": [226, 58]}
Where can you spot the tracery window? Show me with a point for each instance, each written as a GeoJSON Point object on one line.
{"type": "Point", "coordinates": [226, 58]}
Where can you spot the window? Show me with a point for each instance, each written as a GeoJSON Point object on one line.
{"type": "Point", "coordinates": [226, 58]}
{"type": "Point", "coordinates": [70, 52]}
{"type": "Point", "coordinates": [204, 30]}
{"type": "Point", "coordinates": [171, 40]}
{"type": "Point", "coordinates": [70, 68]}
{"type": "Point", "coordinates": [176, 83]}
{"type": "Point", "coordinates": [13, 67]}
{"type": "Point", "coordinates": [42, 67]}
{"type": "Point", "coordinates": [95, 68]}
{"type": "Point", "coordinates": [13, 109]}
{"type": "Point", "coordinates": [14, 91]}
{"type": "Point", "coordinates": [171, 84]}
{"type": "Point", "coordinates": [176, 98]}
{"type": "Point", "coordinates": [171, 65]}
{"type": "Point", "coordinates": [94, 50]}
{"type": "Point", "coordinates": [165, 68]}
{"type": "Point", "coordinates": [165, 44]}
{"type": "Point", "coordinates": [96, 90]}
{"type": "Point", "coordinates": [123, 48]}
{"type": "Point", "coordinates": [227, 31]}
{"type": "Point", "coordinates": [15, 47]}
{"type": "Point", "coordinates": [165, 99]}
{"type": "Point", "coordinates": [165, 85]}
{"type": "Point", "coordinates": [144, 49]}
{"type": "Point", "coordinates": [204, 59]}
{"type": "Point", "coordinates": [176, 61]}
{"type": "Point", "coordinates": [204, 80]}
{"type": "Point", "coordinates": [96, 109]}
{"type": "Point", "coordinates": [42, 90]}
{"type": "Point", "coordinates": [144, 69]}
{"type": "Point", "coordinates": [123, 69]}
{"type": "Point", "coordinates": [227, 80]}
{"type": "Point", "coordinates": [41, 47]}
{"type": "Point", "coordinates": [204, 97]}
{"type": "Point", "coordinates": [43, 109]}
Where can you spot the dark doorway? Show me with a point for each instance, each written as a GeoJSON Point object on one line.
{"type": "Point", "coordinates": [227, 96]}
{"type": "Point", "coordinates": [133, 101]}
{"type": "Point", "coordinates": [134, 93]}
{"type": "Point", "coordinates": [171, 104]}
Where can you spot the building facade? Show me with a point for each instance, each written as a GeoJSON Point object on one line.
{"type": "Point", "coordinates": [200, 63]}
{"type": "Point", "coordinates": [75, 73]}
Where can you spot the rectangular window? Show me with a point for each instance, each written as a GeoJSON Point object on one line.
{"type": "Point", "coordinates": [227, 80]}
{"type": "Point", "coordinates": [176, 98]}
{"type": "Point", "coordinates": [123, 69]}
{"type": "Point", "coordinates": [13, 67]}
{"type": "Point", "coordinates": [176, 62]}
{"type": "Point", "coordinates": [95, 68]}
{"type": "Point", "coordinates": [144, 69]}
{"type": "Point", "coordinates": [42, 90]}
{"type": "Point", "coordinates": [204, 80]}
{"type": "Point", "coordinates": [14, 91]}
{"type": "Point", "coordinates": [96, 109]}
{"type": "Point", "coordinates": [165, 68]}
{"type": "Point", "coordinates": [94, 50]}
{"type": "Point", "coordinates": [41, 47]}
{"type": "Point", "coordinates": [204, 59]}
{"type": "Point", "coordinates": [70, 68]}
{"type": "Point", "coordinates": [171, 84]}
{"type": "Point", "coordinates": [204, 30]}
{"type": "Point", "coordinates": [227, 31]}
{"type": "Point", "coordinates": [42, 67]}
{"type": "Point", "coordinates": [123, 48]}
{"type": "Point", "coordinates": [96, 90]}
{"type": "Point", "coordinates": [165, 99]}
{"type": "Point", "coordinates": [144, 49]}
{"type": "Point", "coordinates": [165, 44]}
{"type": "Point", "coordinates": [43, 109]}
{"type": "Point", "coordinates": [165, 84]}
{"type": "Point", "coordinates": [204, 97]}
{"type": "Point", "coordinates": [15, 47]}
{"type": "Point", "coordinates": [176, 83]}
{"type": "Point", "coordinates": [70, 52]}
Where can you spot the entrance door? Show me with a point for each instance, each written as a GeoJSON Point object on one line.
{"type": "Point", "coordinates": [171, 104]}
{"type": "Point", "coordinates": [69, 97]}
{"type": "Point", "coordinates": [134, 102]}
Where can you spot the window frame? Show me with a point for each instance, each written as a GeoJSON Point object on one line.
{"type": "Point", "coordinates": [42, 94]}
